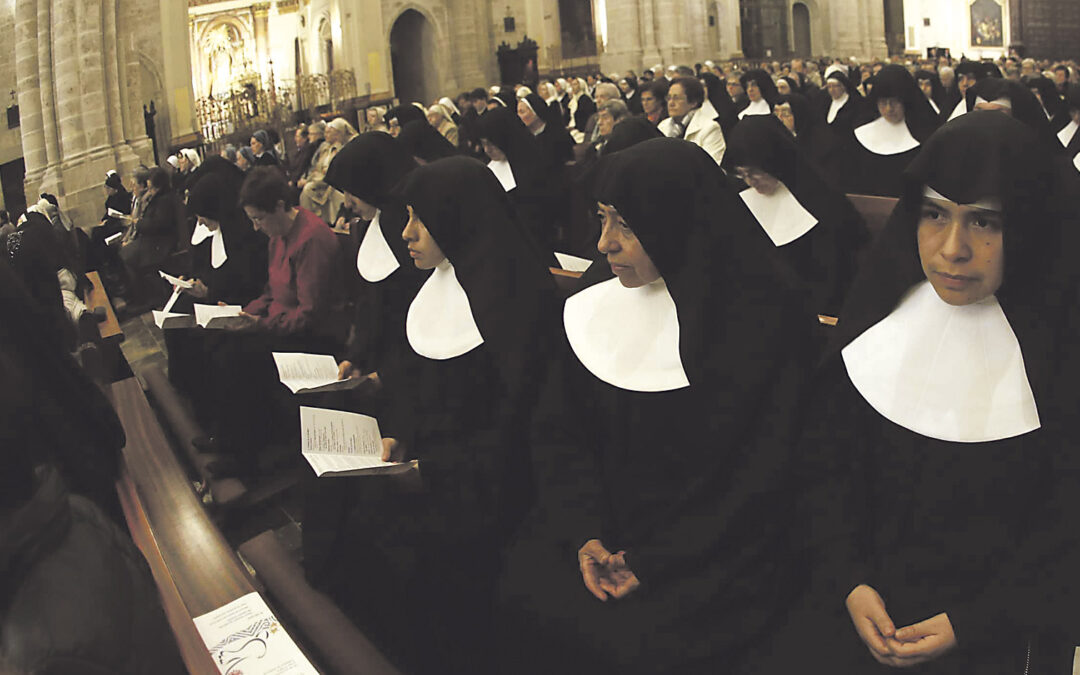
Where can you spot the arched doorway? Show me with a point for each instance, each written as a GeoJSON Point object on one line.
{"type": "Point", "coordinates": [800, 22]}
{"type": "Point", "coordinates": [412, 58]}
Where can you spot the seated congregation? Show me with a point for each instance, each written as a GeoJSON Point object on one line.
{"type": "Point", "coordinates": [758, 434]}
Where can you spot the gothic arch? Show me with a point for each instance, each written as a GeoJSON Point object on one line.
{"type": "Point", "coordinates": [416, 50]}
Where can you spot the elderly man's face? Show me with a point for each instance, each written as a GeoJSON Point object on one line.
{"type": "Point", "coordinates": [605, 121]}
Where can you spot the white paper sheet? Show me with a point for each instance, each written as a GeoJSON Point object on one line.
{"type": "Point", "coordinates": [343, 443]}
{"type": "Point", "coordinates": [176, 282]}
{"type": "Point", "coordinates": [203, 313]}
{"type": "Point", "coordinates": [305, 371]}
{"type": "Point", "coordinates": [113, 213]}
{"type": "Point", "coordinates": [172, 300]}
{"type": "Point", "coordinates": [160, 316]}
{"type": "Point", "coordinates": [109, 240]}
{"type": "Point", "coordinates": [245, 637]}
{"type": "Point", "coordinates": [572, 263]}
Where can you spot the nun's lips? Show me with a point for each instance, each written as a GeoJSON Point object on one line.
{"type": "Point", "coordinates": [413, 253]}
{"type": "Point", "coordinates": [616, 267]}
{"type": "Point", "coordinates": [956, 281]}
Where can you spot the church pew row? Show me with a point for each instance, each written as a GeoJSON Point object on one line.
{"type": "Point", "coordinates": [219, 491]}
{"type": "Point", "coordinates": [195, 569]}
{"type": "Point", "coordinates": [342, 647]}
{"type": "Point", "coordinates": [109, 329]}
{"type": "Point", "coordinates": [874, 210]}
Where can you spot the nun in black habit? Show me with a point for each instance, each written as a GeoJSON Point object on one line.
{"type": "Point", "coordinates": [940, 453]}
{"type": "Point", "coordinates": [815, 228]}
{"type": "Point", "coordinates": [419, 563]}
{"type": "Point", "coordinates": [898, 120]}
{"type": "Point", "coordinates": [760, 91]}
{"type": "Point", "coordinates": [658, 544]}
{"type": "Point", "coordinates": [520, 163]}
{"type": "Point", "coordinates": [1050, 100]}
{"type": "Point", "coordinates": [397, 117]}
{"type": "Point", "coordinates": [424, 143]}
{"type": "Point", "coordinates": [840, 108]}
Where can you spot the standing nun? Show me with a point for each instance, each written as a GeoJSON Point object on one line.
{"type": "Point", "coordinates": [900, 119]}
{"type": "Point", "coordinates": [422, 559]}
{"type": "Point", "coordinates": [814, 227]}
{"type": "Point", "coordinates": [940, 455]}
{"type": "Point", "coordinates": [660, 442]}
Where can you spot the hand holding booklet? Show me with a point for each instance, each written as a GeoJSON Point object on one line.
{"type": "Point", "coordinates": [343, 444]}
{"type": "Point", "coordinates": [205, 314]}
{"type": "Point", "coordinates": [310, 373]}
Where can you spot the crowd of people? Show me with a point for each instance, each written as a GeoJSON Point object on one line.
{"type": "Point", "coordinates": [674, 465]}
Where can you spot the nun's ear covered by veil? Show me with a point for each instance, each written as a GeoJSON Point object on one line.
{"type": "Point", "coordinates": [422, 140]}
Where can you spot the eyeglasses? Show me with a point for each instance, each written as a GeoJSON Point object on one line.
{"type": "Point", "coordinates": [745, 174]}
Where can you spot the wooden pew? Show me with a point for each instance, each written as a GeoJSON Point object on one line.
{"type": "Point", "coordinates": [342, 647]}
{"type": "Point", "coordinates": [195, 568]}
{"type": "Point", "coordinates": [221, 491]}
{"type": "Point", "coordinates": [565, 280]}
{"type": "Point", "coordinates": [111, 334]}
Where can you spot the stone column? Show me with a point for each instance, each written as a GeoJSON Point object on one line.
{"type": "Point", "coordinates": [650, 51]}
{"type": "Point", "coordinates": [31, 124]}
{"type": "Point", "coordinates": [730, 27]}
{"type": "Point", "coordinates": [260, 14]}
{"type": "Point", "coordinates": [624, 39]}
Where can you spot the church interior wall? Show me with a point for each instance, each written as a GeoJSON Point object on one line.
{"type": "Point", "coordinates": [950, 26]}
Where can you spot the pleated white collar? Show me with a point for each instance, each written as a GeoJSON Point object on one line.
{"type": "Point", "coordinates": [835, 106]}
{"type": "Point", "coordinates": [218, 256]}
{"type": "Point", "coordinates": [504, 173]}
{"type": "Point", "coordinates": [882, 137]}
{"type": "Point", "coordinates": [375, 260]}
{"type": "Point", "coordinates": [440, 323]}
{"type": "Point", "coordinates": [780, 214]}
{"type": "Point", "coordinates": [1067, 132]}
{"type": "Point", "coordinates": [758, 107]}
{"type": "Point", "coordinates": [954, 373]}
{"type": "Point", "coordinates": [627, 337]}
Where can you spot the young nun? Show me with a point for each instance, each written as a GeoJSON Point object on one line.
{"type": "Point", "coordinates": [659, 445]}
{"type": "Point", "coordinates": [900, 119]}
{"type": "Point", "coordinates": [815, 228]}
{"type": "Point", "coordinates": [760, 91]}
{"type": "Point", "coordinates": [939, 455]}
{"type": "Point", "coordinates": [422, 559]}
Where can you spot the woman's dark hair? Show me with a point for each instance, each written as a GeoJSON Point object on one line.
{"type": "Point", "coordinates": [263, 188]}
{"type": "Point", "coordinates": [658, 88]}
{"type": "Point", "coordinates": [695, 91]}
{"type": "Point", "coordinates": [159, 179]}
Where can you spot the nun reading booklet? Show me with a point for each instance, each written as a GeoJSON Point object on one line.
{"type": "Point", "coordinates": [245, 637]}
{"type": "Point", "coordinates": [343, 444]}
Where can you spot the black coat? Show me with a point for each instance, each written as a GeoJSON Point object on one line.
{"type": "Point", "coordinates": [155, 233]}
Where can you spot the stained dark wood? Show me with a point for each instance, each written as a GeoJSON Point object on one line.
{"type": "Point", "coordinates": [323, 626]}
{"type": "Point", "coordinates": [97, 297]}
{"type": "Point", "coordinates": [205, 570]}
{"type": "Point", "coordinates": [874, 210]}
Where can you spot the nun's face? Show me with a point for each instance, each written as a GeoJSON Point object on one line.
{"type": "Point", "coordinates": [493, 151]}
{"type": "Point", "coordinates": [359, 206]}
{"type": "Point", "coordinates": [961, 248]}
{"type": "Point", "coordinates": [425, 253]}
{"type": "Point", "coordinates": [892, 109]}
{"type": "Point", "coordinates": [836, 89]}
{"type": "Point", "coordinates": [256, 147]}
{"type": "Point", "coordinates": [964, 83]}
{"type": "Point", "coordinates": [528, 117]}
{"type": "Point", "coordinates": [753, 91]}
{"type": "Point", "coordinates": [784, 114]}
{"type": "Point", "coordinates": [394, 127]}
{"type": "Point", "coordinates": [783, 87]}
{"type": "Point", "coordinates": [628, 259]}
{"type": "Point", "coordinates": [927, 88]}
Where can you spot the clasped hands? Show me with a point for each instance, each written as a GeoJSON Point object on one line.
{"type": "Point", "coordinates": [605, 573]}
{"type": "Point", "coordinates": [901, 648]}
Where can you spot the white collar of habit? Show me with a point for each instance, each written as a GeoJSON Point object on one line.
{"type": "Point", "coordinates": [375, 260]}
{"type": "Point", "coordinates": [835, 106]}
{"type": "Point", "coordinates": [218, 256]}
{"type": "Point", "coordinates": [440, 323]}
{"type": "Point", "coordinates": [627, 337]}
{"type": "Point", "coordinates": [780, 214]}
{"type": "Point", "coordinates": [882, 137]}
{"type": "Point", "coordinates": [954, 373]}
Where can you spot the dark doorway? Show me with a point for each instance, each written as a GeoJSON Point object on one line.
{"type": "Point", "coordinates": [412, 57]}
{"type": "Point", "coordinates": [800, 21]}
{"type": "Point", "coordinates": [577, 29]}
{"type": "Point", "coordinates": [764, 28]}
{"type": "Point", "coordinates": [12, 175]}
{"type": "Point", "coordinates": [894, 26]}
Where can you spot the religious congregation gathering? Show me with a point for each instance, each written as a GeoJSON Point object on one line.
{"type": "Point", "coordinates": [752, 364]}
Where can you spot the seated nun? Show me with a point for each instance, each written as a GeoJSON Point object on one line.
{"type": "Point", "coordinates": [815, 228]}
{"type": "Point", "coordinates": [939, 455]}
{"type": "Point", "coordinates": [419, 555]}
{"type": "Point", "coordinates": [760, 91]}
{"type": "Point", "coordinates": [229, 265]}
{"type": "Point", "coordinates": [660, 442]}
{"type": "Point", "coordinates": [900, 119]}
{"type": "Point", "coordinates": [424, 143]}
{"type": "Point", "coordinates": [841, 107]}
